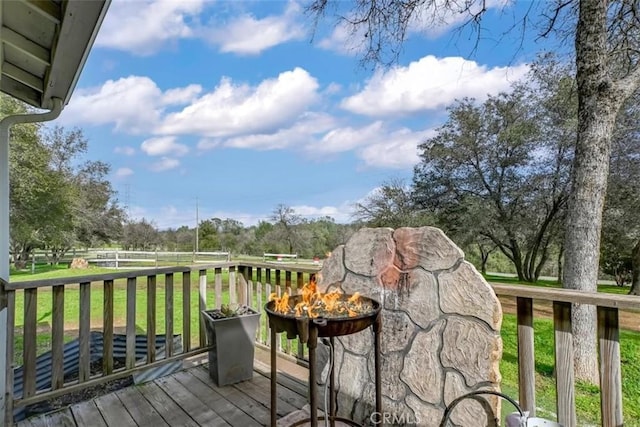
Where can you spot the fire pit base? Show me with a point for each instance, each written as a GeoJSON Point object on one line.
{"type": "Point", "coordinates": [310, 337]}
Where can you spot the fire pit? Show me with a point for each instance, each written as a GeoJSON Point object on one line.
{"type": "Point", "coordinates": [312, 315]}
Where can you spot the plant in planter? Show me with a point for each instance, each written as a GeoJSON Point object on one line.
{"type": "Point", "coordinates": [231, 335]}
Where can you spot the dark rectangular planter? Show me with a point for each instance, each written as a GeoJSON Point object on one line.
{"type": "Point", "coordinates": [232, 342]}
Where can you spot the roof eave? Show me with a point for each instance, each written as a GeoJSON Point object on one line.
{"type": "Point", "coordinates": [79, 28]}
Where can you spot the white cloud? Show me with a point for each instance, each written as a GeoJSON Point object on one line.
{"type": "Point", "coordinates": [181, 95]}
{"type": "Point", "coordinates": [348, 138]}
{"type": "Point", "coordinates": [236, 109]}
{"type": "Point", "coordinates": [164, 217]}
{"type": "Point", "coordinates": [428, 84]}
{"type": "Point", "coordinates": [345, 39]}
{"type": "Point", "coordinates": [165, 164]}
{"type": "Point", "coordinates": [143, 27]}
{"type": "Point", "coordinates": [247, 35]}
{"type": "Point", "coordinates": [435, 18]}
{"type": "Point", "coordinates": [302, 133]}
{"type": "Point", "coordinates": [163, 145]}
{"type": "Point", "coordinates": [129, 102]}
{"type": "Point", "coordinates": [340, 214]}
{"type": "Point", "coordinates": [374, 144]}
{"type": "Point", "coordinates": [123, 172]}
{"type": "Point", "coordinates": [127, 151]}
{"type": "Point", "coordinates": [135, 104]}
{"type": "Point", "coordinates": [398, 150]}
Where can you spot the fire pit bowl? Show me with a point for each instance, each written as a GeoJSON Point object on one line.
{"type": "Point", "coordinates": [327, 326]}
{"type": "Point", "coordinates": [341, 315]}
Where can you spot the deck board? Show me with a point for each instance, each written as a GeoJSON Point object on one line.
{"type": "Point", "coordinates": [142, 412]}
{"type": "Point", "coordinates": [185, 398]}
{"type": "Point", "coordinates": [225, 408]}
{"type": "Point", "coordinates": [87, 413]}
{"type": "Point", "coordinates": [113, 411]}
{"type": "Point", "coordinates": [170, 411]}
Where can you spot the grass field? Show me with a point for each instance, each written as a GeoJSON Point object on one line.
{"type": "Point", "coordinates": [587, 396]}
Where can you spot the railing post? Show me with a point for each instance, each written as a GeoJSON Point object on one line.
{"type": "Point", "coordinates": [57, 338]}
{"type": "Point", "coordinates": [168, 313]}
{"type": "Point", "coordinates": [217, 283]}
{"type": "Point", "coordinates": [233, 286]}
{"type": "Point", "coordinates": [131, 323]}
{"type": "Point", "coordinates": [526, 360]}
{"type": "Point", "coordinates": [84, 332]}
{"type": "Point", "coordinates": [186, 311]}
{"type": "Point", "coordinates": [29, 343]}
{"type": "Point", "coordinates": [610, 376]}
{"type": "Point", "coordinates": [151, 318]}
{"type": "Point", "coordinates": [7, 322]}
{"type": "Point", "coordinates": [245, 285]}
{"type": "Point", "coordinates": [202, 305]}
{"type": "Point", "coordinates": [565, 393]}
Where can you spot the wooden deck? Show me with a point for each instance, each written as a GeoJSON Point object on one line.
{"type": "Point", "coordinates": [187, 398]}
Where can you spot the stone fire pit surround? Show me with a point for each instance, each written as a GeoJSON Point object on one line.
{"type": "Point", "coordinates": [441, 329]}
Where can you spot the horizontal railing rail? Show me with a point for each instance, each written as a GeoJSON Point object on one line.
{"type": "Point", "coordinates": [166, 302]}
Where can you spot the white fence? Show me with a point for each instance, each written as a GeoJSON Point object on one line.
{"type": "Point", "coordinates": [279, 257]}
{"type": "Point", "coordinates": [118, 258]}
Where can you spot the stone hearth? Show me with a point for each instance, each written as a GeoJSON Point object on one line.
{"type": "Point", "coordinates": [441, 323]}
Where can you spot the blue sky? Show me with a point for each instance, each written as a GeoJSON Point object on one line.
{"type": "Point", "coordinates": [232, 105]}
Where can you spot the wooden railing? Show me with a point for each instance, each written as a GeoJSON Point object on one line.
{"type": "Point", "coordinates": [150, 302]}
{"type": "Point", "coordinates": [607, 306]}
{"type": "Point", "coordinates": [167, 302]}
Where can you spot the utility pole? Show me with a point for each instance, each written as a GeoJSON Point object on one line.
{"type": "Point", "coordinates": [197, 228]}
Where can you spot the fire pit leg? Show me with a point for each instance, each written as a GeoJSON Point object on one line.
{"type": "Point", "coordinates": [377, 331]}
{"type": "Point", "coordinates": [332, 385]}
{"type": "Point", "coordinates": [274, 380]}
{"type": "Point", "coordinates": [313, 391]}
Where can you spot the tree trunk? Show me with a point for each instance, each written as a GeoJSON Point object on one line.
{"type": "Point", "coordinates": [559, 261]}
{"type": "Point", "coordinates": [483, 263]}
{"type": "Point", "coordinates": [598, 104]}
{"type": "Point", "coordinates": [635, 265]}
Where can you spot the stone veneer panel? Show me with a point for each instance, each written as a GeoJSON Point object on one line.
{"type": "Point", "coordinates": [426, 247]}
{"type": "Point", "coordinates": [370, 251]}
{"type": "Point", "coordinates": [464, 291]}
{"type": "Point", "coordinates": [441, 323]}
{"type": "Point", "coordinates": [398, 331]}
{"type": "Point", "coordinates": [392, 386]}
{"type": "Point", "coordinates": [425, 415]}
{"type": "Point", "coordinates": [422, 370]}
{"type": "Point", "coordinates": [454, 387]}
{"type": "Point", "coordinates": [333, 270]}
{"type": "Point", "coordinates": [471, 349]}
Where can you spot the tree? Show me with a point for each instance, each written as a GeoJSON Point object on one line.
{"type": "Point", "coordinates": [286, 223]}
{"type": "Point", "coordinates": [499, 171]}
{"type": "Point", "coordinates": [87, 210]}
{"type": "Point", "coordinates": [140, 235]}
{"type": "Point", "coordinates": [390, 205]}
{"type": "Point", "coordinates": [208, 238]}
{"type": "Point", "coordinates": [606, 43]}
{"type": "Point", "coordinates": [231, 234]}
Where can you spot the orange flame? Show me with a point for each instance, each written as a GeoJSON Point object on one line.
{"type": "Point", "coordinates": [314, 303]}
